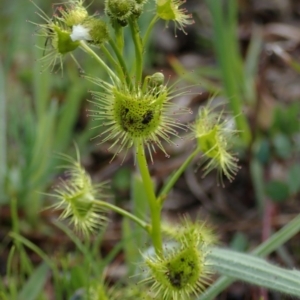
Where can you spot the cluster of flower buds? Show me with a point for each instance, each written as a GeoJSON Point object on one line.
{"type": "Point", "coordinates": [69, 25]}
{"type": "Point", "coordinates": [80, 24]}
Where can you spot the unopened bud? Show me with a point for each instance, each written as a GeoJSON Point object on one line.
{"type": "Point", "coordinates": [119, 9]}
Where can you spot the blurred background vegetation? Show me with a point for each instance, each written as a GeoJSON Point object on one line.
{"type": "Point", "coordinates": [247, 52]}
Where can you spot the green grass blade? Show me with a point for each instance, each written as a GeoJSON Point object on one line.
{"type": "Point", "coordinates": [41, 84]}
{"type": "Point", "coordinates": [9, 272]}
{"type": "Point", "coordinates": [42, 148]}
{"type": "Point", "coordinates": [69, 115]}
{"type": "Point", "coordinates": [40, 158]}
{"type": "Point", "coordinates": [93, 258]}
{"type": "Point", "coordinates": [278, 238]}
{"type": "Point", "coordinates": [73, 237]}
{"type": "Point", "coordinates": [131, 250]}
{"type": "Point", "coordinates": [45, 258]}
{"type": "Point", "coordinates": [255, 271]}
{"type": "Point", "coordinates": [35, 283]}
{"type": "Point", "coordinates": [3, 146]}
{"type": "Point", "coordinates": [257, 177]}
{"type": "Point", "coordinates": [34, 248]}
{"type": "Point", "coordinates": [226, 47]}
{"type": "Point", "coordinates": [202, 76]}
{"type": "Point", "coordinates": [270, 245]}
{"type": "Point", "coordinates": [251, 66]}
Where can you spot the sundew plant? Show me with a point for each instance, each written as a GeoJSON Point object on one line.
{"type": "Point", "coordinates": [135, 115]}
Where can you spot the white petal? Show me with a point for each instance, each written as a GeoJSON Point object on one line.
{"type": "Point", "coordinates": [80, 32]}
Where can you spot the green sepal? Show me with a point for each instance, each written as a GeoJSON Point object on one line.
{"type": "Point", "coordinates": [63, 42]}
{"type": "Point", "coordinates": [165, 11]}
{"type": "Point", "coordinates": [208, 142]}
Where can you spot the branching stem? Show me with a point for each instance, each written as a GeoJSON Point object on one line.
{"type": "Point", "coordinates": [87, 49]}
{"type": "Point", "coordinates": [124, 213]}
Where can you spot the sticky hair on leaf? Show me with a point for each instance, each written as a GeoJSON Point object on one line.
{"type": "Point", "coordinates": [183, 269]}
{"type": "Point", "coordinates": [198, 232]}
{"type": "Point", "coordinates": [143, 116]}
{"type": "Point", "coordinates": [73, 13]}
{"type": "Point", "coordinates": [169, 10]}
{"type": "Point", "coordinates": [77, 198]}
{"type": "Point", "coordinates": [214, 136]}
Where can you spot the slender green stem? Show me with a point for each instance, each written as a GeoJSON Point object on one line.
{"type": "Point", "coordinates": [9, 274]}
{"type": "Point", "coordinates": [14, 216]}
{"type": "Point", "coordinates": [149, 30]}
{"type": "Point", "coordinates": [121, 61]}
{"type": "Point", "coordinates": [145, 84]}
{"type": "Point", "coordinates": [119, 33]}
{"type": "Point", "coordinates": [274, 242]}
{"type": "Point", "coordinates": [174, 177]}
{"type": "Point", "coordinates": [3, 133]}
{"type": "Point", "coordinates": [257, 176]}
{"type": "Point", "coordinates": [135, 32]}
{"type": "Point", "coordinates": [17, 237]}
{"type": "Point", "coordinates": [155, 207]}
{"type": "Point", "coordinates": [112, 61]}
{"type": "Point", "coordinates": [99, 60]}
{"type": "Point", "coordinates": [124, 213]}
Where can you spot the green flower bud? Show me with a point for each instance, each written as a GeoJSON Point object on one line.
{"type": "Point", "coordinates": [98, 31]}
{"type": "Point", "coordinates": [73, 13]}
{"type": "Point", "coordinates": [137, 10]}
{"type": "Point", "coordinates": [154, 84]}
{"type": "Point", "coordinates": [156, 80]}
{"type": "Point", "coordinates": [93, 30]}
{"type": "Point", "coordinates": [119, 9]}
